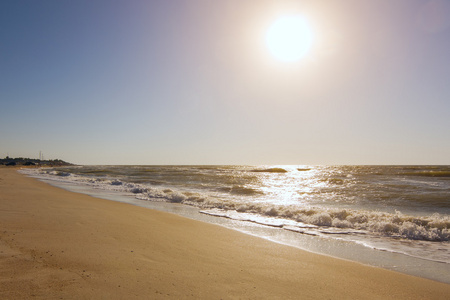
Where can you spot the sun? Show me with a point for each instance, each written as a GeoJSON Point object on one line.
{"type": "Point", "coordinates": [289, 38]}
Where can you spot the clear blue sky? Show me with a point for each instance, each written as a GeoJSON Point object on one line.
{"type": "Point", "coordinates": [192, 82]}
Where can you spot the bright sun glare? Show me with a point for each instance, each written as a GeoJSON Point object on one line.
{"type": "Point", "coordinates": [289, 38]}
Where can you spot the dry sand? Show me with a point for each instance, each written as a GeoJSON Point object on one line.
{"type": "Point", "coordinates": [56, 244]}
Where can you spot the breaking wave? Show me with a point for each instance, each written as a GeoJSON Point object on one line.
{"type": "Point", "coordinates": [432, 228]}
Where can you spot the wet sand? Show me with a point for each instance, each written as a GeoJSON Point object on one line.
{"type": "Point", "coordinates": [56, 244]}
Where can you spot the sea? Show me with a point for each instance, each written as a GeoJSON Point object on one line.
{"type": "Point", "coordinates": [394, 217]}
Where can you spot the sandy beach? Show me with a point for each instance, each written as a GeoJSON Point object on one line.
{"type": "Point", "coordinates": [56, 244]}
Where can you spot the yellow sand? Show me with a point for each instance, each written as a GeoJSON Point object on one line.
{"type": "Point", "coordinates": [56, 244]}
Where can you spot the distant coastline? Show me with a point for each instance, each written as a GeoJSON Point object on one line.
{"type": "Point", "coordinates": [21, 161]}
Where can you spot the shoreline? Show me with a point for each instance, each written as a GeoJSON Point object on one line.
{"type": "Point", "coordinates": [397, 255]}
{"type": "Point", "coordinates": [59, 244]}
{"type": "Point", "coordinates": [347, 250]}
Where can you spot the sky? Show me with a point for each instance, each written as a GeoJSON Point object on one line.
{"type": "Point", "coordinates": [193, 82]}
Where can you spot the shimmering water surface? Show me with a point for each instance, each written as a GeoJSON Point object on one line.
{"type": "Point", "coordinates": [401, 209]}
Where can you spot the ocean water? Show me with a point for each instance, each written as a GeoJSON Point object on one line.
{"type": "Point", "coordinates": [403, 210]}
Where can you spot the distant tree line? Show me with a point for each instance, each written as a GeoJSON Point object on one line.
{"type": "Point", "coordinates": [8, 161]}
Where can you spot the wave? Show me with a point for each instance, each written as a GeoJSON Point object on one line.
{"type": "Point", "coordinates": [241, 190]}
{"type": "Point", "coordinates": [431, 228]}
{"type": "Point", "coordinates": [428, 173]}
{"type": "Point", "coordinates": [271, 170]}
{"type": "Point", "coordinates": [62, 174]}
{"type": "Point", "coordinates": [317, 221]}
